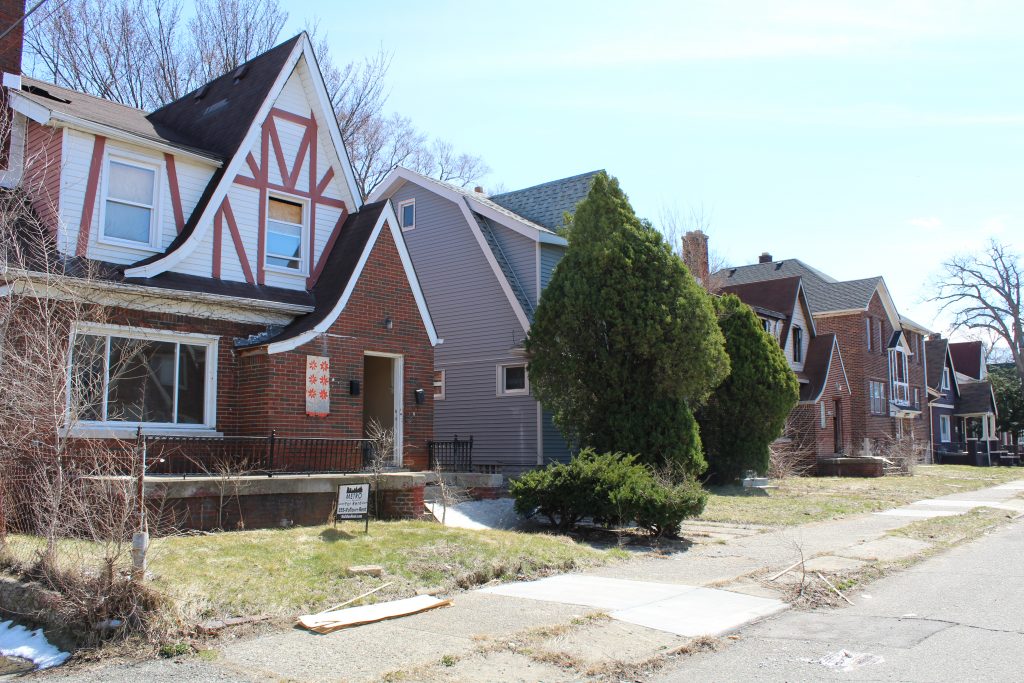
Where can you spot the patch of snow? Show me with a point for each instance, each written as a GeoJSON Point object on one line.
{"type": "Point", "coordinates": [18, 641]}
{"type": "Point", "coordinates": [478, 514]}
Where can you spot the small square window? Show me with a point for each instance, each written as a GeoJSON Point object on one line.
{"type": "Point", "coordinates": [407, 214]}
{"type": "Point", "coordinates": [512, 380]}
{"type": "Point", "coordinates": [439, 385]}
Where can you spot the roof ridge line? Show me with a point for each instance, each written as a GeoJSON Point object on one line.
{"type": "Point", "coordinates": [551, 182]}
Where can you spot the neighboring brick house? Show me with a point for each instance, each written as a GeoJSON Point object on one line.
{"type": "Point", "coordinates": [484, 262]}
{"type": "Point", "coordinates": [235, 256]}
{"type": "Point", "coordinates": [818, 423]}
{"type": "Point", "coordinates": [884, 354]}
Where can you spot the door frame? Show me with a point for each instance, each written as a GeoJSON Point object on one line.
{"type": "Point", "coordinates": [398, 378]}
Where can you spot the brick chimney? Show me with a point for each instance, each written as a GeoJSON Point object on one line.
{"type": "Point", "coordinates": [765, 257]}
{"type": "Point", "coordinates": [695, 255]}
{"type": "Point", "coordinates": [12, 13]}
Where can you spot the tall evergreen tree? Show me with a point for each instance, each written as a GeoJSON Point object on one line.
{"type": "Point", "coordinates": [624, 343]}
{"type": "Point", "coordinates": [748, 410]}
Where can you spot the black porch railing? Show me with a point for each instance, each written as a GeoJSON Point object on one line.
{"type": "Point", "coordinates": [451, 456]}
{"type": "Point", "coordinates": [272, 454]}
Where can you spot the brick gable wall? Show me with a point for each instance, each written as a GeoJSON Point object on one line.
{"type": "Point", "coordinates": [865, 365]}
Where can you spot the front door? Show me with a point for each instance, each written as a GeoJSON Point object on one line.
{"type": "Point", "coordinates": [382, 398]}
{"type": "Point", "coordinates": [837, 426]}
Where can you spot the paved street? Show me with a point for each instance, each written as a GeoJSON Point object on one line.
{"type": "Point", "coordinates": [956, 617]}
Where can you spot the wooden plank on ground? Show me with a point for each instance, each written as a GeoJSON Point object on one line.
{"type": "Point", "coordinates": [328, 622]}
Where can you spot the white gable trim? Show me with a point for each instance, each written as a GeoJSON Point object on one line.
{"type": "Point", "coordinates": [524, 227]}
{"type": "Point", "coordinates": [238, 163]}
{"type": "Point", "coordinates": [805, 311]}
{"type": "Point", "coordinates": [828, 372]}
{"type": "Point", "coordinates": [400, 176]}
{"type": "Point", "coordinates": [387, 217]}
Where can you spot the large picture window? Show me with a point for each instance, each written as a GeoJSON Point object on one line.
{"type": "Point", "coordinates": [128, 210]}
{"type": "Point", "coordinates": [123, 378]}
{"type": "Point", "coordinates": [285, 230]}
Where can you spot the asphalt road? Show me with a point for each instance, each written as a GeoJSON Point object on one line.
{"type": "Point", "coordinates": [956, 617]}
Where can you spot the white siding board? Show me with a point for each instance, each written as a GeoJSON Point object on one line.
{"type": "Point", "coordinates": [293, 96]}
{"type": "Point", "coordinates": [801, 322]}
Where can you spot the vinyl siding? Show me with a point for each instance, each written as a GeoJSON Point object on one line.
{"type": "Point", "coordinates": [476, 321]}
{"type": "Point", "coordinates": [805, 334]}
{"type": "Point", "coordinates": [555, 447]}
{"type": "Point", "coordinates": [521, 253]}
{"type": "Point", "coordinates": [550, 255]}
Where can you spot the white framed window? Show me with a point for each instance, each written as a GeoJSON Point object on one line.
{"type": "Point", "coordinates": [439, 385]}
{"type": "Point", "coordinates": [822, 418]}
{"type": "Point", "coordinates": [130, 211]}
{"type": "Point", "coordinates": [798, 345]}
{"type": "Point", "coordinates": [917, 398]}
{"type": "Point", "coordinates": [944, 428]}
{"type": "Point", "coordinates": [513, 380]}
{"type": "Point", "coordinates": [945, 378]}
{"type": "Point", "coordinates": [286, 234]}
{"type": "Point", "coordinates": [876, 390]}
{"type": "Point", "coordinates": [867, 332]}
{"type": "Point", "coordinates": [407, 214]}
{"type": "Point", "coordinates": [123, 376]}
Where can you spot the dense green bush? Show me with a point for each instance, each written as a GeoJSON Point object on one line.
{"type": "Point", "coordinates": [610, 488]}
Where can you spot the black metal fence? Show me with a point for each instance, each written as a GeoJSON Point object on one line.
{"type": "Point", "coordinates": [451, 456]}
{"type": "Point", "coordinates": [272, 454]}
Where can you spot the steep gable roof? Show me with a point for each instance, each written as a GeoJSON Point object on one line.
{"type": "Point", "coordinates": [967, 357]}
{"type": "Point", "coordinates": [218, 115]}
{"type": "Point", "coordinates": [820, 353]}
{"type": "Point", "coordinates": [546, 204]}
{"type": "Point", "coordinates": [937, 353]}
{"type": "Point", "coordinates": [780, 296]}
{"type": "Point", "coordinates": [976, 398]}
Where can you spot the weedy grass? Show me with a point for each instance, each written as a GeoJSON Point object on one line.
{"type": "Point", "coordinates": [799, 500]}
{"type": "Point", "coordinates": [286, 572]}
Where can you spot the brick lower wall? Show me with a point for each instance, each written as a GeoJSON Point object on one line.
{"type": "Point", "coordinates": [850, 467]}
{"type": "Point", "coordinates": [271, 510]}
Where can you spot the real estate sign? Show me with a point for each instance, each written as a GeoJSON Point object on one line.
{"type": "Point", "coordinates": [353, 501]}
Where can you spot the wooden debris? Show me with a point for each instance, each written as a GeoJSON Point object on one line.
{"type": "Point", "coordinates": [357, 598]}
{"type": "Point", "coordinates": [787, 570]}
{"type": "Point", "coordinates": [214, 626]}
{"type": "Point", "coordinates": [328, 622]}
{"type": "Point", "coordinates": [829, 584]}
{"type": "Point", "coordinates": [365, 570]}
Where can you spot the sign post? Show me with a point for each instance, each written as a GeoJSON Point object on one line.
{"type": "Point", "coordinates": [353, 503]}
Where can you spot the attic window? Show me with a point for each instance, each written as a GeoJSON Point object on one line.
{"type": "Point", "coordinates": [130, 199]}
{"type": "Point", "coordinates": [285, 230]}
{"type": "Point", "coordinates": [407, 214]}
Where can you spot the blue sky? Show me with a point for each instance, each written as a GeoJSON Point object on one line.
{"type": "Point", "coordinates": [864, 138]}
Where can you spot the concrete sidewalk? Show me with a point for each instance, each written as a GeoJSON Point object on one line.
{"type": "Point", "coordinates": [487, 636]}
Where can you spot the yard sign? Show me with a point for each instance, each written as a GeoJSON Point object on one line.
{"type": "Point", "coordinates": [353, 503]}
{"type": "Point", "coordinates": [318, 386]}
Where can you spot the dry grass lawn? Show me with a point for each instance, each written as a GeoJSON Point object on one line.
{"type": "Point", "coordinates": [799, 500]}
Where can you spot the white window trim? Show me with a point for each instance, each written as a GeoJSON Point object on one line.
{"type": "Point", "coordinates": [156, 217]}
{"type": "Point", "coordinates": [797, 337]}
{"type": "Point", "coordinates": [105, 429]}
{"type": "Point", "coordinates": [439, 396]}
{"type": "Point", "coordinates": [945, 378]}
{"type": "Point", "coordinates": [823, 421]}
{"type": "Point", "coordinates": [500, 380]}
{"type": "Point", "coordinates": [945, 429]}
{"type": "Point", "coordinates": [870, 333]}
{"type": "Point", "coordinates": [303, 268]}
{"type": "Point", "coordinates": [401, 206]}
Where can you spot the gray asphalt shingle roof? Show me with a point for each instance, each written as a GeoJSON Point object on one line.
{"type": "Point", "coordinates": [975, 398]}
{"type": "Point", "coordinates": [547, 203]}
{"type": "Point", "coordinates": [824, 293]}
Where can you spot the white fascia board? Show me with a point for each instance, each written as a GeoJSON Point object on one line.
{"type": "Point", "coordinates": [506, 287]}
{"type": "Point", "coordinates": [203, 225]}
{"type": "Point", "coordinates": [31, 110]}
{"type": "Point", "coordinates": [387, 187]}
{"type": "Point", "coordinates": [550, 238]}
{"type": "Point", "coordinates": [387, 217]}
{"type": "Point", "coordinates": [806, 311]}
{"type": "Point", "coordinates": [845, 311]}
{"type": "Point", "coordinates": [327, 111]}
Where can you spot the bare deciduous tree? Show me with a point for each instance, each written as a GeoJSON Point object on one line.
{"type": "Point", "coordinates": [144, 54]}
{"type": "Point", "coordinates": [674, 223]}
{"type": "Point", "coordinates": [984, 293]}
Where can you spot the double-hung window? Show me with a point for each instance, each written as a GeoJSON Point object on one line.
{"type": "Point", "coordinates": [121, 376]}
{"type": "Point", "coordinates": [439, 385]}
{"type": "Point", "coordinates": [798, 345]}
{"type": "Point", "coordinates": [876, 390]}
{"type": "Point", "coordinates": [945, 378]}
{"type": "Point", "coordinates": [944, 430]}
{"type": "Point", "coordinates": [286, 229]}
{"type": "Point", "coordinates": [129, 208]}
